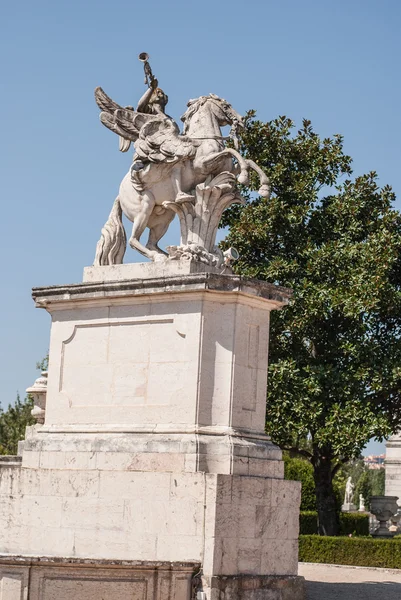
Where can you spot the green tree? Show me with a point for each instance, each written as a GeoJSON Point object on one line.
{"type": "Point", "coordinates": [335, 351]}
{"type": "Point", "coordinates": [13, 422]}
{"type": "Point", "coordinates": [378, 478]}
{"type": "Point", "coordinates": [299, 469]}
{"type": "Point", "coordinates": [364, 487]}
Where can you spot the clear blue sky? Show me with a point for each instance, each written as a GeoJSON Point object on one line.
{"type": "Point", "coordinates": [336, 63]}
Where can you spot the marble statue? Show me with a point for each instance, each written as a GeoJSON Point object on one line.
{"type": "Point", "coordinates": [361, 503]}
{"type": "Point", "coordinates": [349, 491]}
{"type": "Point", "coordinates": [191, 173]}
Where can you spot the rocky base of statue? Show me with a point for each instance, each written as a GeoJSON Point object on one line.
{"type": "Point", "coordinates": [196, 253]}
{"type": "Point", "coordinates": [349, 507]}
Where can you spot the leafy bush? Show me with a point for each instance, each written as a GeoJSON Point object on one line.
{"type": "Point", "coordinates": [361, 552]}
{"type": "Point", "coordinates": [371, 483]}
{"type": "Point", "coordinates": [308, 522]}
{"type": "Point", "coordinates": [378, 482]}
{"type": "Point", "coordinates": [364, 487]}
{"type": "Point", "coordinates": [297, 469]}
{"type": "Point", "coordinates": [354, 523]}
{"type": "Point", "coordinates": [350, 523]}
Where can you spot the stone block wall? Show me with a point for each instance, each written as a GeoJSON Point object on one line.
{"type": "Point", "coordinates": [230, 523]}
{"type": "Point", "coordinates": [66, 579]}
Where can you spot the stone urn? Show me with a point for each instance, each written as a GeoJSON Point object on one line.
{"type": "Point", "coordinates": [38, 392]}
{"type": "Point", "coordinates": [384, 508]}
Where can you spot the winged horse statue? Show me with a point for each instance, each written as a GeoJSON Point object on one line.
{"type": "Point", "coordinates": [170, 168]}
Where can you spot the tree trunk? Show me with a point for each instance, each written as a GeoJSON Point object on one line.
{"type": "Point", "coordinates": [328, 521]}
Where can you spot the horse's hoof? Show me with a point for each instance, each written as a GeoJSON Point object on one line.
{"type": "Point", "coordinates": [243, 178]}
{"type": "Point", "coordinates": [264, 191]}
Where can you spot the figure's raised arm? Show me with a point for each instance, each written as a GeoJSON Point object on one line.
{"type": "Point", "coordinates": [144, 101]}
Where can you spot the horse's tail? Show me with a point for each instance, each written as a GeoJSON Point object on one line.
{"type": "Point", "coordinates": [110, 248]}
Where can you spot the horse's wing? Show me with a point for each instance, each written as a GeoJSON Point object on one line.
{"type": "Point", "coordinates": [126, 123]}
{"type": "Point", "coordinates": [160, 141]}
{"type": "Point", "coordinates": [110, 122]}
{"type": "Point", "coordinates": [132, 121]}
{"type": "Point", "coordinates": [104, 102]}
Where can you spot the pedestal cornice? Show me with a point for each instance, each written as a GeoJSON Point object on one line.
{"type": "Point", "coordinates": [101, 292]}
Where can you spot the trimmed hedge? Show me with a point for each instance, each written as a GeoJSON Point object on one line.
{"type": "Point", "coordinates": [354, 523]}
{"type": "Point", "coordinates": [360, 552]}
{"type": "Point", "coordinates": [350, 523]}
{"type": "Point", "coordinates": [308, 522]}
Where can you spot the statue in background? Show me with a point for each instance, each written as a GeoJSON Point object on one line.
{"type": "Point", "coordinates": [349, 505]}
{"type": "Point", "coordinates": [192, 174]}
{"type": "Point", "coordinates": [349, 491]}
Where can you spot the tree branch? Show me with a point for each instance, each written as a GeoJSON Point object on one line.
{"type": "Point", "coordinates": [338, 465]}
{"type": "Point", "coordinates": [304, 453]}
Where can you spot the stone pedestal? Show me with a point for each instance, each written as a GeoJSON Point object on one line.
{"type": "Point", "coordinates": [348, 507]}
{"type": "Point", "coordinates": [153, 458]}
{"type": "Point", "coordinates": [393, 467]}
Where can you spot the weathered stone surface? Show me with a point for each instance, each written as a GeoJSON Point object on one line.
{"type": "Point", "coordinates": [250, 587]}
{"type": "Point", "coordinates": [48, 578]}
{"type": "Point", "coordinates": [204, 336]}
{"type": "Point", "coordinates": [170, 268]}
{"type": "Point", "coordinates": [153, 446]}
{"type": "Point", "coordinates": [234, 524]}
{"type": "Point", "coordinates": [102, 291]}
{"type": "Point", "coordinates": [31, 578]}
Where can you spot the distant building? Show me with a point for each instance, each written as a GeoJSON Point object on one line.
{"type": "Point", "coordinates": [374, 461]}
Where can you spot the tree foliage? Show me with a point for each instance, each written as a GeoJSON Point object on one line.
{"type": "Point", "coordinates": [13, 422]}
{"type": "Point", "coordinates": [371, 483]}
{"type": "Point", "coordinates": [335, 351]}
{"type": "Point", "coordinates": [299, 469]}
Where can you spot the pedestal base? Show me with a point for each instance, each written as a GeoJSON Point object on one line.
{"type": "Point", "coordinates": [231, 524]}
{"type": "Point", "coordinates": [47, 578]}
{"type": "Point", "coordinates": [39, 578]}
{"type": "Point", "coordinates": [383, 532]}
{"type": "Point", "coordinates": [153, 447]}
{"type": "Point", "coordinates": [349, 507]}
{"type": "Point", "coordinates": [262, 587]}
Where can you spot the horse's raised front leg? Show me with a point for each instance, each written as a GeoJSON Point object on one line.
{"type": "Point", "coordinates": [244, 164]}
{"type": "Point", "coordinates": [209, 161]}
{"type": "Point", "coordinates": [140, 223]}
{"type": "Point", "coordinates": [264, 189]}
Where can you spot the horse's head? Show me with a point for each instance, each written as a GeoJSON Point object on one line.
{"type": "Point", "coordinates": [221, 109]}
{"type": "Point", "coordinates": [224, 112]}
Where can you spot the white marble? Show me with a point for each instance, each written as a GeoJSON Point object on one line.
{"type": "Point", "coordinates": [136, 515]}
{"type": "Point", "coordinates": [169, 268]}
{"type": "Point", "coordinates": [183, 359]}
{"type": "Point", "coordinates": [192, 174]}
